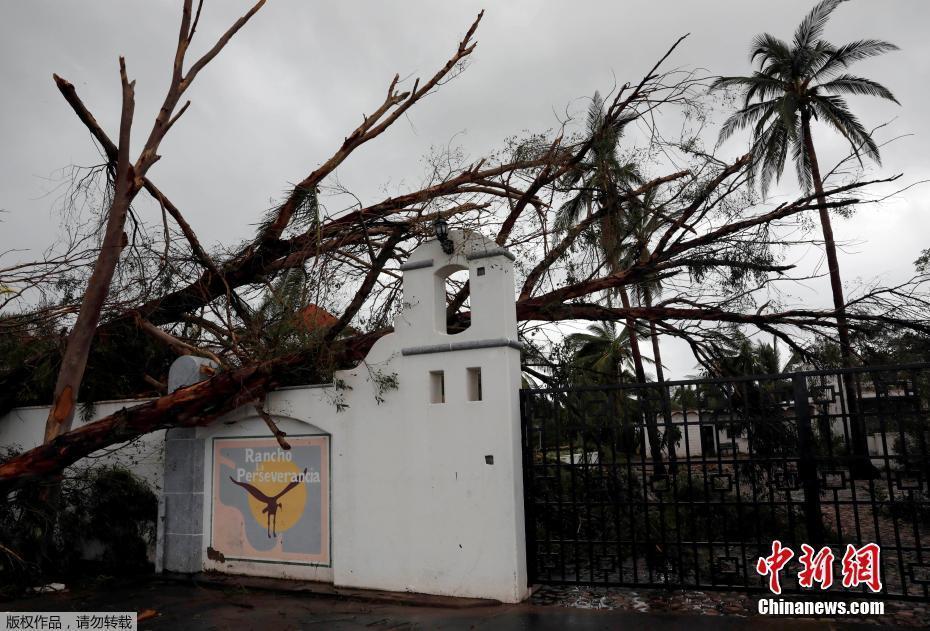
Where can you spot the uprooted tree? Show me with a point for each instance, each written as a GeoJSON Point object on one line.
{"type": "Point", "coordinates": [314, 289]}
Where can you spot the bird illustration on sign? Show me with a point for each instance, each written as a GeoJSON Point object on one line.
{"type": "Point", "coordinates": [271, 502]}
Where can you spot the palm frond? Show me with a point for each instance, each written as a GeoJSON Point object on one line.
{"type": "Point", "coordinates": [627, 175]}
{"type": "Point", "coordinates": [764, 87]}
{"type": "Point", "coordinates": [568, 213]}
{"type": "Point", "coordinates": [575, 175]}
{"type": "Point", "coordinates": [788, 114]}
{"type": "Point", "coordinates": [851, 84]}
{"type": "Point", "coordinates": [813, 58]}
{"type": "Point", "coordinates": [835, 111]}
{"type": "Point", "coordinates": [769, 50]}
{"type": "Point", "coordinates": [771, 152]}
{"type": "Point", "coordinates": [846, 54]}
{"type": "Point", "coordinates": [747, 117]}
{"type": "Point", "coordinates": [811, 27]}
{"type": "Point", "coordinates": [721, 83]}
{"type": "Point", "coordinates": [802, 162]}
{"type": "Point", "coordinates": [595, 114]}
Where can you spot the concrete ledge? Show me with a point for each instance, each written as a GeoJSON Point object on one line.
{"type": "Point", "coordinates": [411, 265]}
{"type": "Point", "coordinates": [489, 253]}
{"type": "Point", "coordinates": [461, 346]}
{"type": "Point", "coordinates": [181, 433]}
{"type": "Point", "coordinates": [328, 590]}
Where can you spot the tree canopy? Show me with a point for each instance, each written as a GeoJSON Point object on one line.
{"type": "Point", "coordinates": [686, 218]}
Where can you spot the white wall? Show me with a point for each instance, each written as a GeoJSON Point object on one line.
{"type": "Point", "coordinates": [415, 504]}
{"type": "Point", "coordinates": [692, 446]}
{"type": "Point", "coordinates": [425, 497]}
{"type": "Point", "coordinates": [24, 428]}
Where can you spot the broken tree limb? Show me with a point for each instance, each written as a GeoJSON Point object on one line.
{"type": "Point", "coordinates": [74, 361]}
{"type": "Point", "coordinates": [193, 406]}
{"type": "Point", "coordinates": [179, 346]}
{"type": "Point", "coordinates": [272, 426]}
{"type": "Point", "coordinates": [128, 180]}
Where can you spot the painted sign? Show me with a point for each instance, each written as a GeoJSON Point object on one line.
{"type": "Point", "coordinates": [270, 504]}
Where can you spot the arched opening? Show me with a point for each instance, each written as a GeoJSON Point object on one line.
{"type": "Point", "coordinates": [453, 297]}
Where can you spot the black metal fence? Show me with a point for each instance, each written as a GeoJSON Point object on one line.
{"type": "Point", "coordinates": [686, 484]}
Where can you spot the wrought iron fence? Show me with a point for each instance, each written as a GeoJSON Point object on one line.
{"type": "Point", "coordinates": [687, 483]}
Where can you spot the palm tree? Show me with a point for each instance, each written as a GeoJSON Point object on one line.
{"type": "Point", "coordinates": [641, 220]}
{"type": "Point", "coordinates": [597, 184]}
{"type": "Point", "coordinates": [747, 358]}
{"type": "Point", "coordinates": [796, 83]}
{"type": "Point", "coordinates": [601, 355]}
{"type": "Point", "coordinates": [593, 181]}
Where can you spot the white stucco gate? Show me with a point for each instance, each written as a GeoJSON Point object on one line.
{"type": "Point", "coordinates": [414, 488]}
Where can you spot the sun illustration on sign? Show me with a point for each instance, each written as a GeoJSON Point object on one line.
{"type": "Point", "coordinates": [270, 483]}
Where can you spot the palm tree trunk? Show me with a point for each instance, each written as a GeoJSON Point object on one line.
{"type": "Point", "coordinates": [836, 283]}
{"type": "Point", "coordinates": [634, 342]}
{"type": "Point", "coordinates": [663, 391]}
{"type": "Point", "coordinates": [860, 466]}
{"type": "Point", "coordinates": [652, 427]}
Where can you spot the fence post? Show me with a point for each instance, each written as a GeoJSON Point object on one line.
{"type": "Point", "coordinates": [669, 429]}
{"type": "Point", "coordinates": [807, 463]}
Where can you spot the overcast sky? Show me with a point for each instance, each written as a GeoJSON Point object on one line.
{"type": "Point", "coordinates": [284, 93]}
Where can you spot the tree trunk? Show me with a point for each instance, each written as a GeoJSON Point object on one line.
{"type": "Point", "coordinates": [195, 405]}
{"type": "Point", "coordinates": [836, 283]}
{"type": "Point", "coordinates": [663, 390]}
{"type": "Point", "coordinates": [652, 426]}
{"type": "Point", "coordinates": [192, 406]}
{"type": "Point", "coordinates": [77, 350]}
{"type": "Point", "coordinates": [74, 361]}
{"type": "Point", "coordinates": [860, 465]}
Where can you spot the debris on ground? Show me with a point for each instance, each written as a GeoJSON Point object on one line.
{"type": "Point", "coordinates": [49, 589]}
{"type": "Point", "coordinates": [706, 603]}
{"type": "Point", "coordinates": [146, 614]}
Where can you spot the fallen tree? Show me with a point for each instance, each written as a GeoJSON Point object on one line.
{"type": "Point", "coordinates": [711, 243]}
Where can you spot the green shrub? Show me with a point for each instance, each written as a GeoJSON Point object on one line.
{"type": "Point", "coordinates": [105, 523]}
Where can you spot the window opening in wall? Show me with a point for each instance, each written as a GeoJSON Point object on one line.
{"type": "Point", "coordinates": [455, 283]}
{"type": "Point", "coordinates": [437, 386]}
{"type": "Point", "coordinates": [474, 384]}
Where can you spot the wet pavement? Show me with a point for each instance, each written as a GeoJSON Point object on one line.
{"type": "Point", "coordinates": [897, 613]}
{"type": "Point", "coordinates": [187, 605]}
